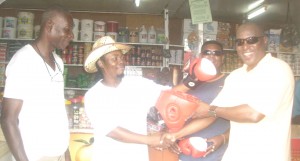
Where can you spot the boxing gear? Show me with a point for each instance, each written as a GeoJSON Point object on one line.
{"type": "Point", "coordinates": [194, 146]}
{"type": "Point", "coordinates": [155, 122]}
{"type": "Point", "coordinates": [200, 70]}
{"type": "Point", "coordinates": [175, 108]}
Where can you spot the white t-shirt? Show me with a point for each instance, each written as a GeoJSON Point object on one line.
{"type": "Point", "coordinates": [42, 120]}
{"type": "Point", "coordinates": [268, 88]}
{"type": "Point", "coordinates": [125, 106]}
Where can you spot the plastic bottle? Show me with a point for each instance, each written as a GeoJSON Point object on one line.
{"type": "Point", "coordinates": [152, 35]}
{"type": "Point", "coordinates": [143, 35]}
{"type": "Point", "coordinates": [134, 35]}
{"type": "Point", "coordinates": [75, 106]}
{"type": "Point", "coordinates": [69, 110]}
{"type": "Point", "coordinates": [160, 36]}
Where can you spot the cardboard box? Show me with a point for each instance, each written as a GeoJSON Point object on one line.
{"type": "Point", "coordinates": [273, 42]}
{"type": "Point", "coordinates": [188, 26]}
{"type": "Point", "coordinates": [208, 37]}
{"type": "Point", "coordinates": [210, 28]}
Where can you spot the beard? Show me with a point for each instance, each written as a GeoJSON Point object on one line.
{"type": "Point", "coordinates": [120, 76]}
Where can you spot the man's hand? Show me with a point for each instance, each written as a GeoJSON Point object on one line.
{"type": "Point", "coordinates": [214, 142]}
{"type": "Point", "coordinates": [168, 140]}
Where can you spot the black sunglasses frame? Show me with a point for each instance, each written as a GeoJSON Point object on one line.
{"type": "Point", "coordinates": [249, 40]}
{"type": "Point", "coordinates": [210, 52]}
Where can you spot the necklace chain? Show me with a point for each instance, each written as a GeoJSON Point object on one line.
{"type": "Point", "coordinates": [55, 63]}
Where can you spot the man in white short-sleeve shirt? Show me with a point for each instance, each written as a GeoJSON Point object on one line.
{"type": "Point", "coordinates": [257, 99]}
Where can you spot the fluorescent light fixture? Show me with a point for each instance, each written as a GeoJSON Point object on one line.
{"type": "Point", "coordinates": [255, 4]}
{"type": "Point", "coordinates": [257, 12]}
{"type": "Point", "coordinates": [137, 2]}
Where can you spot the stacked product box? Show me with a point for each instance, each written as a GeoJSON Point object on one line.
{"type": "Point", "coordinates": [144, 56]}
{"type": "Point", "coordinates": [223, 35]}
{"type": "Point", "coordinates": [274, 40]}
{"type": "Point", "coordinates": [3, 49]}
{"type": "Point", "coordinates": [188, 28]}
{"type": "Point", "coordinates": [231, 62]}
{"type": "Point", "coordinates": [210, 30]}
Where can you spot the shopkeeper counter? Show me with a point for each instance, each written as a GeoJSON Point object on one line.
{"type": "Point", "coordinates": [80, 148]}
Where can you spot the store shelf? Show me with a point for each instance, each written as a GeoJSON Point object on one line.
{"type": "Point", "coordinates": [229, 50]}
{"type": "Point", "coordinates": [16, 39]}
{"type": "Point", "coordinates": [275, 52]}
{"type": "Point", "coordinates": [177, 64]}
{"type": "Point", "coordinates": [81, 130]}
{"type": "Point", "coordinates": [73, 65]}
{"type": "Point", "coordinates": [129, 66]}
{"type": "Point", "coordinates": [129, 43]}
{"type": "Point", "coordinates": [77, 89]}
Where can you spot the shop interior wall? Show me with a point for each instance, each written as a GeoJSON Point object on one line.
{"type": "Point", "coordinates": [295, 13]}
{"type": "Point", "coordinates": [132, 21]}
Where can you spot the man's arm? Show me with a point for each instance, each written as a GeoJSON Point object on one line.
{"type": "Point", "coordinates": [169, 139]}
{"type": "Point", "coordinates": [9, 124]}
{"type": "Point", "coordinates": [241, 113]}
{"type": "Point", "coordinates": [192, 127]}
{"type": "Point", "coordinates": [67, 155]}
{"type": "Point", "coordinates": [124, 135]}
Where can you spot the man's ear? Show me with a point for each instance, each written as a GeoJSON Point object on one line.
{"type": "Point", "coordinates": [265, 39]}
{"type": "Point", "coordinates": [49, 25]}
{"type": "Point", "coordinates": [100, 64]}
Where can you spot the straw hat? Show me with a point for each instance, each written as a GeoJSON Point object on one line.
{"type": "Point", "coordinates": [101, 47]}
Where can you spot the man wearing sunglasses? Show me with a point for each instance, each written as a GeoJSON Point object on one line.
{"type": "Point", "coordinates": [257, 99]}
{"type": "Point", "coordinates": [207, 91]}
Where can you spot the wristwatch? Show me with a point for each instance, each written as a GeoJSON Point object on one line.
{"type": "Point", "coordinates": [212, 111]}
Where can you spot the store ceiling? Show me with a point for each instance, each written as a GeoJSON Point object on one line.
{"type": "Point", "coordinates": [226, 10]}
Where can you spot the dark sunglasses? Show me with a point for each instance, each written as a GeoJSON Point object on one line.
{"type": "Point", "coordinates": [210, 52]}
{"type": "Point", "coordinates": [248, 40]}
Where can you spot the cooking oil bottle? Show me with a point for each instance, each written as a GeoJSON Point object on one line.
{"type": "Point", "coordinates": [152, 35]}
{"type": "Point", "coordinates": [143, 35]}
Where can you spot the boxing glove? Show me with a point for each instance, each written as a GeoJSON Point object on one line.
{"type": "Point", "coordinates": [200, 70]}
{"type": "Point", "coordinates": [175, 108]}
{"type": "Point", "coordinates": [194, 146]}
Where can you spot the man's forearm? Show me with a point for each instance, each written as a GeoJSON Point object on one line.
{"type": "Point", "coordinates": [13, 138]}
{"type": "Point", "coordinates": [241, 113]}
{"type": "Point", "coordinates": [194, 126]}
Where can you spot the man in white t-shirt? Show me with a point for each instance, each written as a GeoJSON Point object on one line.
{"type": "Point", "coordinates": [33, 118]}
{"type": "Point", "coordinates": [117, 105]}
{"type": "Point", "coordinates": [257, 99]}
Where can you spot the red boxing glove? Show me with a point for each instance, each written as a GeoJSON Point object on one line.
{"type": "Point", "coordinates": [175, 108]}
{"type": "Point", "coordinates": [203, 69]}
{"type": "Point", "coordinates": [194, 146]}
{"type": "Point", "coordinates": [200, 70]}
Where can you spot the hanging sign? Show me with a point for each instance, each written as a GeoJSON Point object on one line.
{"type": "Point", "coordinates": [200, 11]}
{"type": "Point", "coordinates": [1, 1]}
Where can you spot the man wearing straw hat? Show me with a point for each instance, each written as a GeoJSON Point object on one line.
{"type": "Point", "coordinates": [117, 105]}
